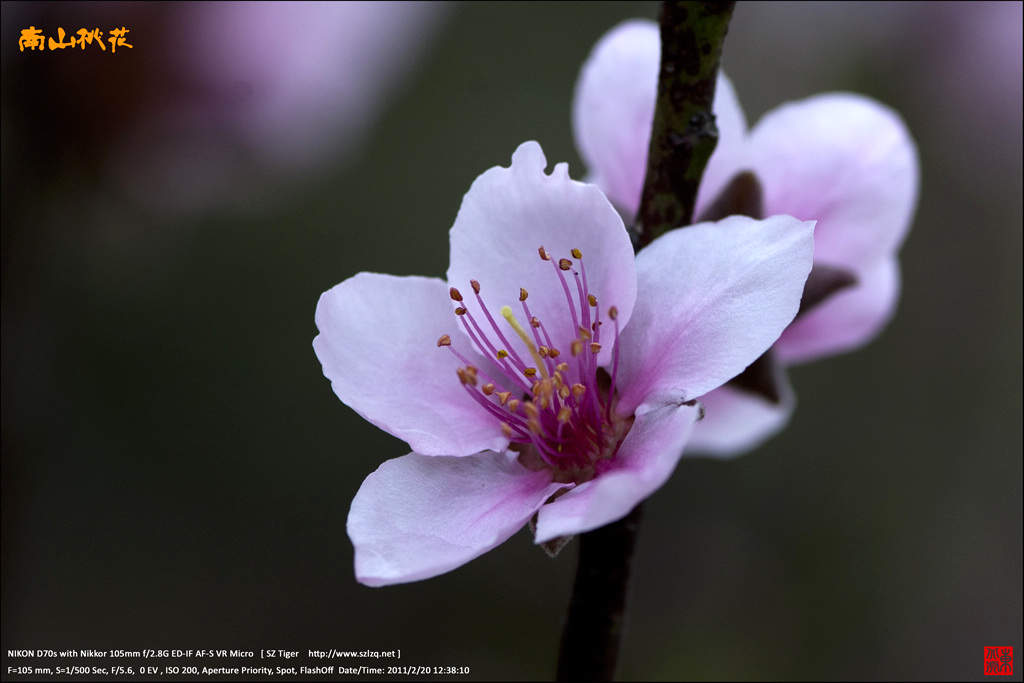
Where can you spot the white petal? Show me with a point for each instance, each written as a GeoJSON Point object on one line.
{"type": "Point", "coordinates": [848, 163]}
{"type": "Point", "coordinates": [508, 214]}
{"type": "Point", "coordinates": [737, 421]}
{"type": "Point", "coordinates": [846, 320]}
{"type": "Point", "coordinates": [614, 107]}
{"type": "Point", "coordinates": [417, 516]}
{"type": "Point", "coordinates": [711, 299]}
{"type": "Point", "coordinates": [644, 462]}
{"type": "Point", "coordinates": [378, 346]}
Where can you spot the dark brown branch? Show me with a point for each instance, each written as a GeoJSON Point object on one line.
{"type": "Point", "coordinates": [684, 133]}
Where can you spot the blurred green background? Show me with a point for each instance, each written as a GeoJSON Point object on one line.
{"type": "Point", "coordinates": [177, 471]}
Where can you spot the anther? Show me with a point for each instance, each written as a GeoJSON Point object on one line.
{"type": "Point", "coordinates": [534, 321]}
{"type": "Point", "coordinates": [564, 414]}
{"type": "Point", "coordinates": [543, 351]}
{"type": "Point", "coordinates": [502, 353]}
{"type": "Point", "coordinates": [563, 392]}
{"type": "Point", "coordinates": [504, 396]}
{"type": "Point", "coordinates": [576, 253]}
{"type": "Point", "coordinates": [506, 430]}
{"type": "Point", "coordinates": [513, 405]}
{"type": "Point", "coordinates": [530, 372]}
{"type": "Point", "coordinates": [553, 352]}
{"type": "Point", "coordinates": [562, 367]}
{"type": "Point", "coordinates": [445, 340]}
{"type": "Point", "coordinates": [564, 263]}
{"type": "Point", "coordinates": [460, 311]}
{"type": "Point", "coordinates": [584, 334]}
{"type": "Point", "coordinates": [592, 299]}
{"type": "Point", "coordinates": [544, 254]}
{"type": "Point", "coordinates": [576, 348]}
{"type": "Point", "coordinates": [613, 312]}
{"type": "Point", "coordinates": [523, 294]}
{"type": "Point", "coordinates": [578, 390]}
{"type": "Point", "coordinates": [475, 285]}
{"type": "Point", "coordinates": [531, 410]}
{"type": "Point", "coordinates": [594, 348]}
{"type": "Point", "coordinates": [454, 294]}
{"type": "Point", "coordinates": [488, 389]}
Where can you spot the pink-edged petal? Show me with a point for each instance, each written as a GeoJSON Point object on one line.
{"type": "Point", "coordinates": [508, 214]}
{"type": "Point", "coordinates": [644, 462]}
{"type": "Point", "coordinates": [378, 346]}
{"type": "Point", "coordinates": [736, 421]}
{"type": "Point", "coordinates": [418, 516]}
{"type": "Point", "coordinates": [711, 298]}
{"type": "Point", "coordinates": [613, 110]}
{"type": "Point", "coordinates": [845, 161]}
{"type": "Point", "coordinates": [847, 320]}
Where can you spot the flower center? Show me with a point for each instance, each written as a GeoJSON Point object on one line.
{"type": "Point", "coordinates": [554, 405]}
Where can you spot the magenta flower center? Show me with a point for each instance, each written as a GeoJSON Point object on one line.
{"type": "Point", "coordinates": [554, 405]}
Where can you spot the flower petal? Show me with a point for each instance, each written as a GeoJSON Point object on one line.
{"type": "Point", "coordinates": [845, 161]}
{"type": "Point", "coordinates": [613, 111]}
{"type": "Point", "coordinates": [736, 421]}
{"type": "Point", "coordinates": [846, 320]}
{"type": "Point", "coordinates": [644, 462]}
{"type": "Point", "coordinates": [417, 516]}
{"type": "Point", "coordinates": [712, 297]}
{"type": "Point", "coordinates": [378, 346]}
{"type": "Point", "coordinates": [508, 213]}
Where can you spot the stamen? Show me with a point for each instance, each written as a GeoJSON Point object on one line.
{"type": "Point", "coordinates": [595, 348]}
{"type": "Point", "coordinates": [475, 285]}
{"type": "Point", "coordinates": [445, 340]}
{"type": "Point", "coordinates": [544, 255]}
{"type": "Point", "coordinates": [506, 430]}
{"type": "Point", "coordinates": [454, 294]}
{"type": "Point", "coordinates": [523, 294]}
{"type": "Point", "coordinates": [488, 389]}
{"type": "Point", "coordinates": [564, 263]}
{"type": "Point", "coordinates": [592, 299]}
{"type": "Point", "coordinates": [576, 253]}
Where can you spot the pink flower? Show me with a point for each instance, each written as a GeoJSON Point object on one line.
{"type": "Point", "coordinates": [561, 386]}
{"type": "Point", "coordinates": [840, 159]}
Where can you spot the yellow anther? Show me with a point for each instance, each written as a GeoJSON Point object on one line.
{"type": "Point", "coordinates": [594, 348]}
{"type": "Point", "coordinates": [585, 334]}
{"type": "Point", "coordinates": [613, 313]}
{"type": "Point", "coordinates": [504, 396]}
{"type": "Point", "coordinates": [592, 299]}
{"type": "Point", "coordinates": [530, 409]}
{"type": "Point", "coordinates": [488, 389]}
{"type": "Point", "coordinates": [513, 405]}
{"type": "Point", "coordinates": [544, 254]}
{"type": "Point", "coordinates": [506, 430]}
{"type": "Point", "coordinates": [530, 372]}
{"type": "Point", "coordinates": [576, 348]}
{"type": "Point", "coordinates": [454, 294]}
{"type": "Point", "coordinates": [553, 352]}
{"type": "Point", "coordinates": [576, 253]}
{"type": "Point", "coordinates": [502, 353]}
{"type": "Point", "coordinates": [564, 263]}
{"type": "Point", "coordinates": [471, 371]}
{"type": "Point", "coordinates": [506, 312]}
{"type": "Point", "coordinates": [563, 392]}
{"type": "Point", "coordinates": [523, 294]}
{"type": "Point", "coordinates": [460, 311]}
{"type": "Point", "coordinates": [475, 285]}
{"type": "Point", "coordinates": [564, 414]}
{"type": "Point", "coordinates": [543, 351]}
{"type": "Point", "coordinates": [578, 390]}
{"type": "Point", "coordinates": [562, 367]}
{"type": "Point", "coordinates": [445, 340]}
